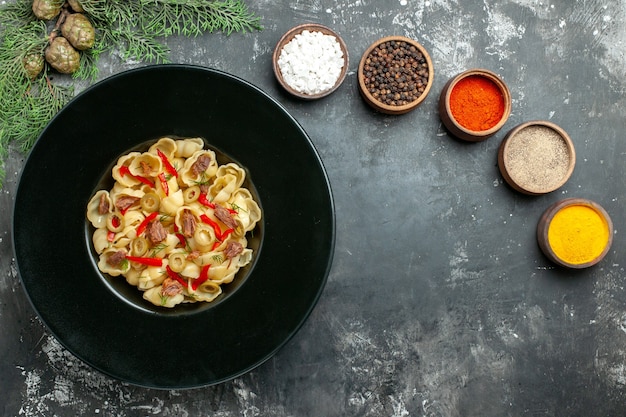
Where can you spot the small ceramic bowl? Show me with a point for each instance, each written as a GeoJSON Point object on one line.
{"type": "Point", "coordinates": [536, 157]}
{"type": "Point", "coordinates": [398, 104]}
{"type": "Point", "coordinates": [470, 133]}
{"type": "Point", "coordinates": [288, 37]}
{"type": "Point", "coordinates": [577, 239]}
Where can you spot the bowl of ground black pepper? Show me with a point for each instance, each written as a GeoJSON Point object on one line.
{"type": "Point", "coordinates": [395, 75]}
{"type": "Point", "coordinates": [310, 61]}
{"type": "Point", "coordinates": [536, 157]}
{"type": "Point", "coordinates": [474, 104]}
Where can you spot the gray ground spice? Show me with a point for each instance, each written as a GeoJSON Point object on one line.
{"type": "Point", "coordinates": [537, 158]}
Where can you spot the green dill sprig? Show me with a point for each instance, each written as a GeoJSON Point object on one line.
{"type": "Point", "coordinates": [158, 248]}
{"type": "Point", "coordinates": [134, 29]}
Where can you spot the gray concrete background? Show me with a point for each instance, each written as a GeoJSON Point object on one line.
{"type": "Point", "coordinates": [439, 302]}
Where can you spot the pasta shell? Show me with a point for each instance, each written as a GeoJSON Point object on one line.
{"type": "Point", "coordinates": [146, 165]}
{"type": "Point", "coordinates": [223, 187]}
{"type": "Point", "coordinates": [187, 147]}
{"type": "Point", "coordinates": [232, 169]}
{"type": "Point", "coordinates": [125, 180]}
{"type": "Point", "coordinates": [189, 176]}
{"type": "Point", "coordinates": [171, 203]}
{"type": "Point", "coordinates": [107, 268]}
{"type": "Point", "coordinates": [154, 296]}
{"type": "Point", "coordinates": [178, 219]}
{"type": "Point", "coordinates": [166, 145]}
{"type": "Point", "coordinates": [151, 277]}
{"type": "Point", "coordinates": [223, 273]}
{"type": "Point", "coordinates": [100, 241]}
{"type": "Point", "coordinates": [97, 219]}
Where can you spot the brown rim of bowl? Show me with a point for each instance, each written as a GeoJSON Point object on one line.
{"type": "Point", "coordinates": [385, 108]}
{"type": "Point", "coordinates": [544, 224]}
{"type": "Point", "coordinates": [503, 160]}
{"type": "Point", "coordinates": [287, 37]}
{"type": "Point", "coordinates": [446, 113]}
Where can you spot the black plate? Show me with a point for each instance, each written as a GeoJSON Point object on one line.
{"type": "Point", "coordinates": [182, 348]}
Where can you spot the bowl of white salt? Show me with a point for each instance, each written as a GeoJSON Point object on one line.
{"type": "Point", "coordinates": [536, 157]}
{"type": "Point", "coordinates": [310, 61]}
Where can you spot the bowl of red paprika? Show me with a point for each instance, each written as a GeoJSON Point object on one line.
{"type": "Point", "coordinates": [474, 104]}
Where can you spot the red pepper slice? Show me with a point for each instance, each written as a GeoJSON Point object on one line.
{"type": "Point", "coordinates": [111, 236]}
{"type": "Point", "coordinates": [116, 221]}
{"type": "Point", "coordinates": [144, 223]}
{"type": "Point", "coordinates": [181, 239]}
{"type": "Point", "coordinates": [146, 261]}
{"type": "Point", "coordinates": [166, 188]}
{"type": "Point", "coordinates": [168, 165]}
{"type": "Point", "coordinates": [175, 276]}
{"type": "Point", "coordinates": [205, 201]}
{"type": "Point", "coordinates": [124, 170]}
{"type": "Point", "coordinates": [204, 275]}
{"type": "Point", "coordinates": [226, 233]}
{"type": "Point", "coordinates": [216, 227]}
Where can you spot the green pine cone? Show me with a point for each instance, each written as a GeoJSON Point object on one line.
{"type": "Point", "coordinates": [33, 65]}
{"type": "Point", "coordinates": [79, 31]}
{"type": "Point", "coordinates": [62, 56]}
{"type": "Point", "coordinates": [47, 9]}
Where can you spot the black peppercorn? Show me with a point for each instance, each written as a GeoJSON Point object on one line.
{"type": "Point", "coordinates": [396, 73]}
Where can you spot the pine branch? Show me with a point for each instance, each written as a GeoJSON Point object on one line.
{"type": "Point", "coordinates": [133, 28]}
{"type": "Point", "coordinates": [194, 17]}
{"type": "Point", "coordinates": [16, 13]}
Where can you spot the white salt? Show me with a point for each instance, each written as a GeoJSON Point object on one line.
{"type": "Point", "coordinates": [311, 62]}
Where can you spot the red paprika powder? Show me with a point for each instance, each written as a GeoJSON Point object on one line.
{"type": "Point", "coordinates": [476, 103]}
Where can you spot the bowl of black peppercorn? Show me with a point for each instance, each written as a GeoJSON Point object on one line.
{"type": "Point", "coordinates": [395, 75]}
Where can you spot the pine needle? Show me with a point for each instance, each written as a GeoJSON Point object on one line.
{"type": "Point", "coordinates": [135, 29]}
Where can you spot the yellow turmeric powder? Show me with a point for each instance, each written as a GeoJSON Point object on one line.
{"type": "Point", "coordinates": [578, 234]}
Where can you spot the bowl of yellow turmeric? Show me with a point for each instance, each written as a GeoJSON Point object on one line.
{"type": "Point", "coordinates": [575, 233]}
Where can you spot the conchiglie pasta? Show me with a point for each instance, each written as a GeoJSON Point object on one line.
{"type": "Point", "coordinates": [151, 277]}
{"type": "Point", "coordinates": [171, 203]}
{"type": "Point", "coordinates": [169, 245]}
{"type": "Point", "coordinates": [222, 188]}
{"type": "Point", "coordinates": [155, 296]}
{"type": "Point", "coordinates": [190, 270]}
{"type": "Point", "coordinates": [132, 276]}
{"type": "Point", "coordinates": [107, 267]}
{"type": "Point", "coordinates": [234, 170]}
{"type": "Point", "coordinates": [100, 240]}
{"type": "Point", "coordinates": [99, 208]}
{"type": "Point", "coordinates": [187, 147]}
{"type": "Point", "coordinates": [146, 165]}
{"type": "Point", "coordinates": [199, 168]}
{"type": "Point", "coordinates": [223, 273]}
{"type": "Point", "coordinates": [248, 211]}
{"type": "Point", "coordinates": [121, 176]}
{"type": "Point", "coordinates": [167, 146]}
{"type": "Point", "coordinates": [177, 242]}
